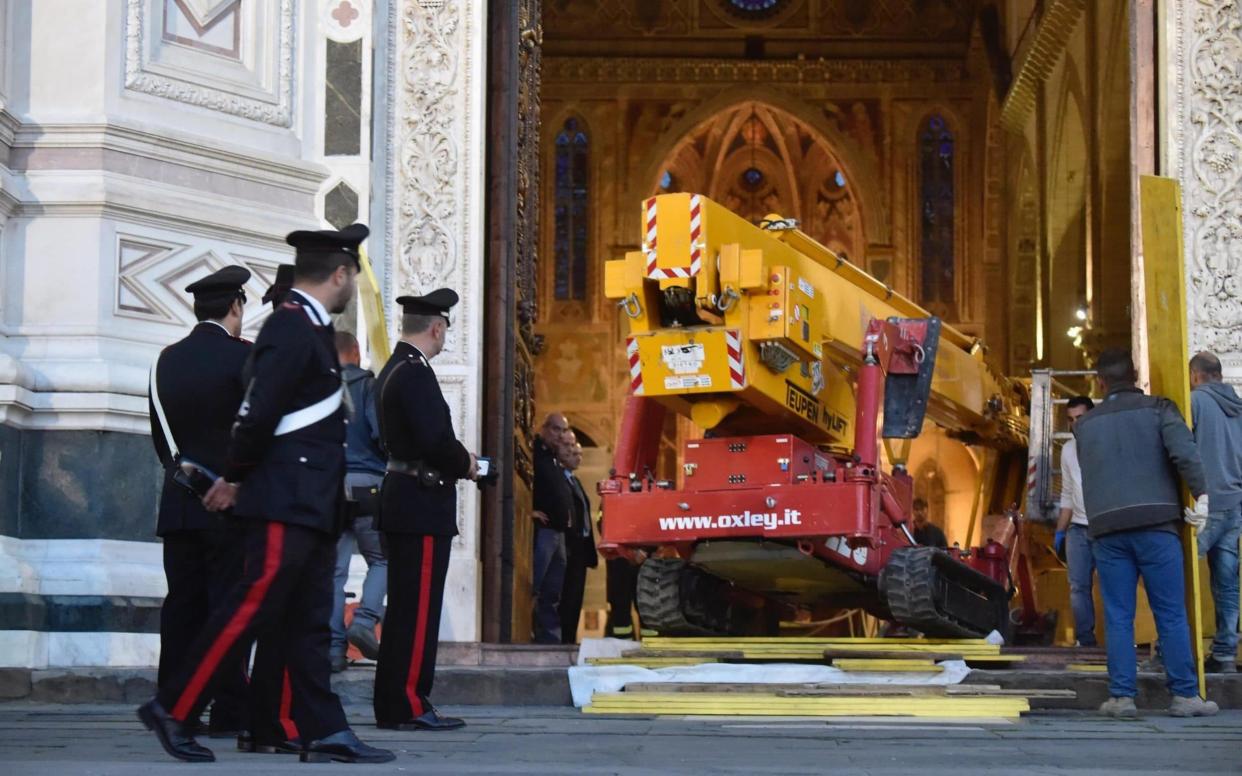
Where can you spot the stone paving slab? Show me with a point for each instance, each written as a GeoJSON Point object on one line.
{"type": "Point", "coordinates": [107, 740]}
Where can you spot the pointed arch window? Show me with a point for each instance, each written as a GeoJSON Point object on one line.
{"type": "Point", "coordinates": [937, 205]}
{"type": "Point", "coordinates": [570, 203]}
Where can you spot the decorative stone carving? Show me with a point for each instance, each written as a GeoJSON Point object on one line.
{"type": "Point", "coordinates": [152, 274]}
{"type": "Point", "coordinates": [431, 243]}
{"type": "Point", "coordinates": [434, 225]}
{"type": "Point", "coordinates": [346, 20]}
{"type": "Point", "coordinates": [1207, 144]}
{"type": "Point", "coordinates": [268, 98]}
{"type": "Point", "coordinates": [836, 71]}
{"type": "Point", "coordinates": [204, 12]}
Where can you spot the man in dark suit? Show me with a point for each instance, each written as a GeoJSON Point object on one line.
{"type": "Point", "coordinates": [284, 475]}
{"type": "Point", "coordinates": [553, 508]}
{"type": "Point", "coordinates": [418, 513]}
{"type": "Point", "coordinates": [580, 552]}
{"type": "Point", "coordinates": [196, 388]}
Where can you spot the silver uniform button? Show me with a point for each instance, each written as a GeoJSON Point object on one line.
{"type": "Point", "coordinates": [302, 459]}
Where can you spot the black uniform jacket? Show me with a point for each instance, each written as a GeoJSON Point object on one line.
{"type": "Point", "coordinates": [553, 494]}
{"type": "Point", "coordinates": [297, 477]}
{"type": "Point", "coordinates": [415, 426]}
{"type": "Point", "coordinates": [582, 522]}
{"type": "Point", "coordinates": [199, 382]}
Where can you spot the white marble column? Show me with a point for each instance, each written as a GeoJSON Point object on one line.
{"type": "Point", "coordinates": [1203, 150]}
{"type": "Point", "coordinates": [435, 227]}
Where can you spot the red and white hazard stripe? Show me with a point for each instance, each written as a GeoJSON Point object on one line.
{"type": "Point", "coordinates": [737, 367]}
{"type": "Point", "coordinates": [636, 370]}
{"type": "Point", "coordinates": [696, 244]}
{"type": "Point", "coordinates": [696, 232]}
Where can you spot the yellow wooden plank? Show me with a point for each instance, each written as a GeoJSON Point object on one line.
{"type": "Point", "coordinates": [1095, 668]}
{"type": "Point", "coordinates": [663, 640]}
{"type": "Point", "coordinates": [1164, 281]}
{"type": "Point", "coordinates": [650, 662]}
{"type": "Point", "coordinates": [651, 644]}
{"type": "Point", "coordinates": [875, 666]}
{"type": "Point", "coordinates": [751, 705]}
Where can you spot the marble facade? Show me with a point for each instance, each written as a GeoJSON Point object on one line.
{"type": "Point", "coordinates": [145, 145]}
{"type": "Point", "coordinates": [1202, 147]}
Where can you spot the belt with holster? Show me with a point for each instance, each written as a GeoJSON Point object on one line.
{"type": "Point", "coordinates": [426, 476]}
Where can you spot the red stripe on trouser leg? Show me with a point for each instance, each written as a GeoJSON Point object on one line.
{"type": "Point", "coordinates": [286, 708]}
{"type": "Point", "coordinates": [236, 625]}
{"type": "Point", "coordinates": [420, 630]}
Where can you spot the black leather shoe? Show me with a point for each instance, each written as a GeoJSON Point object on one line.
{"type": "Point", "coordinates": [344, 747]}
{"type": "Point", "coordinates": [364, 639]}
{"type": "Point", "coordinates": [429, 720]}
{"type": "Point", "coordinates": [172, 734]}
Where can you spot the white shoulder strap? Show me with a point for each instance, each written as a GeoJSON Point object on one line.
{"type": "Point", "coordinates": [159, 412]}
{"type": "Point", "coordinates": [312, 414]}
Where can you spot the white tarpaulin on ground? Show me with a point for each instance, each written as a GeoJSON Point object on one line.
{"type": "Point", "coordinates": [585, 680]}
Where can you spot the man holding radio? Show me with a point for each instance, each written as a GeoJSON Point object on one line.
{"type": "Point", "coordinates": [418, 512]}
{"type": "Point", "coordinates": [196, 386]}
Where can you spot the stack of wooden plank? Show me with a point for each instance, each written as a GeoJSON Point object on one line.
{"type": "Point", "coordinates": [757, 704]}
{"type": "Point", "coordinates": [920, 655]}
{"type": "Point", "coordinates": [889, 659]}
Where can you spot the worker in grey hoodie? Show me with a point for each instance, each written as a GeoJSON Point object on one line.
{"type": "Point", "coordinates": [1216, 412]}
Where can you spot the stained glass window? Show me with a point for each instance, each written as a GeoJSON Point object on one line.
{"type": "Point", "coordinates": [570, 207]}
{"type": "Point", "coordinates": [937, 205]}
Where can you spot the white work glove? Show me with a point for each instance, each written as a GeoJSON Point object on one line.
{"type": "Point", "coordinates": [1199, 514]}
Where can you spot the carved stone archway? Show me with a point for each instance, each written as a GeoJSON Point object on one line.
{"type": "Point", "coordinates": [758, 159]}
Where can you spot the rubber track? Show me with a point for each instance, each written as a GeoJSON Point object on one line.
{"type": "Point", "coordinates": [908, 583]}
{"type": "Point", "coordinates": [659, 598]}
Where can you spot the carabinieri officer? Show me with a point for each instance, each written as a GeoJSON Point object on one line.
{"type": "Point", "coordinates": [284, 476]}
{"type": "Point", "coordinates": [418, 513]}
{"type": "Point", "coordinates": [196, 386]}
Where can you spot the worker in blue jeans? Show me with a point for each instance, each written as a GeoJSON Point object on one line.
{"type": "Point", "coordinates": [1132, 448]}
{"type": "Point", "coordinates": [1216, 412]}
{"type": "Point", "coordinates": [1073, 542]}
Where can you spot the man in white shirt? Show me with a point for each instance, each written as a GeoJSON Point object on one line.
{"type": "Point", "coordinates": [1072, 540]}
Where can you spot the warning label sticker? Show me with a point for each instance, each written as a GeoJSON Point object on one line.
{"type": "Point", "coordinates": [687, 381]}
{"type": "Point", "coordinates": [683, 359]}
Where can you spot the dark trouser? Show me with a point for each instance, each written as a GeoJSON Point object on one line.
{"type": "Point", "coordinates": [271, 692]}
{"type": "Point", "coordinates": [622, 581]}
{"type": "Point", "coordinates": [577, 562]}
{"type": "Point", "coordinates": [417, 566]}
{"type": "Point", "coordinates": [285, 593]}
{"type": "Point", "coordinates": [548, 582]}
{"type": "Point", "coordinates": [201, 567]}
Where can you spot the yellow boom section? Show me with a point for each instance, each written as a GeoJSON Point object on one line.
{"type": "Point", "coordinates": [753, 330]}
